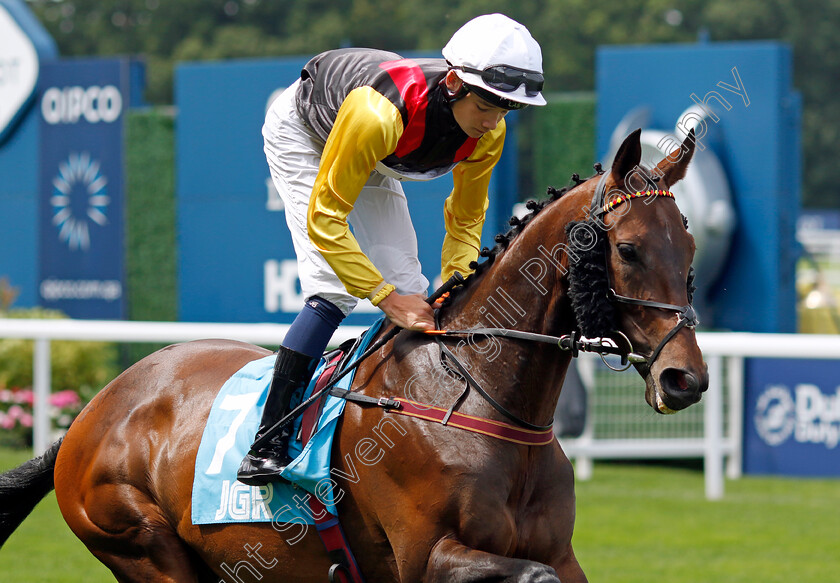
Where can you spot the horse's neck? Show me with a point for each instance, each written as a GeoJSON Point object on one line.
{"type": "Point", "coordinates": [522, 290]}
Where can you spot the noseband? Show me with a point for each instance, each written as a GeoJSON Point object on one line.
{"type": "Point", "coordinates": [686, 316]}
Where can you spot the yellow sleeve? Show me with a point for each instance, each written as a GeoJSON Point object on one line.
{"type": "Point", "coordinates": [464, 210]}
{"type": "Point", "coordinates": [366, 130]}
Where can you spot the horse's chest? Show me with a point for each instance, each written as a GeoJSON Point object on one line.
{"type": "Point", "coordinates": [543, 526]}
{"type": "Point", "coordinates": [533, 518]}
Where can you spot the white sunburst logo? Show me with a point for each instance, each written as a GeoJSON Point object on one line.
{"type": "Point", "coordinates": [79, 178]}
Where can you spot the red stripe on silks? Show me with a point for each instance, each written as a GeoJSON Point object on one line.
{"type": "Point", "coordinates": [411, 83]}
{"type": "Point", "coordinates": [465, 150]}
{"type": "Point", "coordinates": [488, 427]}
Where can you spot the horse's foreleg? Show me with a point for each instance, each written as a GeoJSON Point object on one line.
{"type": "Point", "coordinates": [569, 569]}
{"type": "Point", "coordinates": [452, 562]}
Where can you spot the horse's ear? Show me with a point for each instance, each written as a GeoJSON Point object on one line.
{"type": "Point", "coordinates": [627, 157]}
{"type": "Point", "coordinates": [672, 168]}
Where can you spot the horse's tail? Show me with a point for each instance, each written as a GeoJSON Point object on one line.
{"type": "Point", "coordinates": [23, 487]}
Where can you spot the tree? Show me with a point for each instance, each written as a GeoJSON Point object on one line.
{"type": "Point", "coordinates": [568, 30]}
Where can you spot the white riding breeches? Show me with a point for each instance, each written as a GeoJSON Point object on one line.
{"type": "Point", "coordinates": [379, 219]}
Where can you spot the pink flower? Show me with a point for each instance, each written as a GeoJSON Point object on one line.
{"type": "Point", "coordinates": [26, 420]}
{"type": "Point", "coordinates": [6, 396]}
{"type": "Point", "coordinates": [6, 422]}
{"type": "Point", "coordinates": [15, 412]}
{"type": "Point", "coordinates": [27, 397]}
{"type": "Point", "coordinates": [64, 399]}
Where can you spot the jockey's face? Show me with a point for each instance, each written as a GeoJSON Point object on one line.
{"type": "Point", "coordinates": [474, 115]}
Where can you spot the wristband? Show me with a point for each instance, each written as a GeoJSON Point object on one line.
{"type": "Point", "coordinates": [381, 292]}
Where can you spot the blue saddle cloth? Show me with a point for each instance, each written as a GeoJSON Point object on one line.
{"type": "Point", "coordinates": [218, 497]}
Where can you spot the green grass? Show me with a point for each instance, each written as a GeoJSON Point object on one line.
{"type": "Point", "coordinates": [651, 523]}
{"type": "Point", "coordinates": [635, 523]}
{"type": "Point", "coordinates": [43, 549]}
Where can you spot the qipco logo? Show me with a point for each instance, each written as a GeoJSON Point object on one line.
{"type": "Point", "coordinates": [70, 104]}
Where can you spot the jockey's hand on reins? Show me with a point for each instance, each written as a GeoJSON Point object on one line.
{"type": "Point", "coordinates": [439, 302]}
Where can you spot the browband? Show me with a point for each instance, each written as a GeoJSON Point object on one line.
{"type": "Point", "coordinates": [638, 194]}
{"type": "Point", "coordinates": [600, 206]}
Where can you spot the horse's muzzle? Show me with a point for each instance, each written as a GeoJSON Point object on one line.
{"type": "Point", "coordinates": [681, 388]}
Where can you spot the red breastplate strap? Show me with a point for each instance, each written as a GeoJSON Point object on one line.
{"type": "Point", "coordinates": [345, 569]}
{"type": "Point", "coordinates": [497, 429]}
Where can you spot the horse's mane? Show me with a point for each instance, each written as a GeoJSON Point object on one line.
{"type": "Point", "coordinates": [517, 225]}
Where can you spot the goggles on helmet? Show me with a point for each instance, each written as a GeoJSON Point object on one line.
{"type": "Point", "coordinates": [508, 79]}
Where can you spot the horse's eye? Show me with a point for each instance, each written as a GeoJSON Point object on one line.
{"type": "Point", "coordinates": [627, 252]}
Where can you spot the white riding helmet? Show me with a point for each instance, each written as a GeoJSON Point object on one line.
{"type": "Point", "coordinates": [495, 54]}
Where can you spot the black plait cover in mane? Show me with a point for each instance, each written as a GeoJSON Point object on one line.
{"type": "Point", "coordinates": [589, 285]}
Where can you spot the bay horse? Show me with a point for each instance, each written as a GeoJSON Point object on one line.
{"type": "Point", "coordinates": [440, 504]}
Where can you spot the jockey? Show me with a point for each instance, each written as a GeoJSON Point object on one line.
{"type": "Point", "coordinates": [338, 142]}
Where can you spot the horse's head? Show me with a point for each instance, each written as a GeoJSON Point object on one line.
{"type": "Point", "coordinates": [631, 273]}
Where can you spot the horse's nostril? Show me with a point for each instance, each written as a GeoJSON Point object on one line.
{"type": "Point", "coordinates": [704, 381]}
{"type": "Point", "coordinates": [691, 382]}
{"type": "Point", "coordinates": [680, 387]}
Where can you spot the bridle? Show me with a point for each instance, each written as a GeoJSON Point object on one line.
{"type": "Point", "coordinates": [574, 342]}
{"type": "Point", "coordinates": [686, 316]}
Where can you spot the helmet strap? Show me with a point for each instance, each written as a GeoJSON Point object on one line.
{"type": "Point", "coordinates": [453, 96]}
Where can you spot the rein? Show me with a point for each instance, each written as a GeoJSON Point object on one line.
{"type": "Point", "coordinates": [574, 342]}
{"type": "Point", "coordinates": [447, 286]}
{"type": "Point", "coordinates": [462, 370]}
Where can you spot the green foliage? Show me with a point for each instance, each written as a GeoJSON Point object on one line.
{"type": "Point", "coordinates": [568, 30]}
{"type": "Point", "coordinates": [561, 141]}
{"type": "Point", "coordinates": [150, 216]}
{"type": "Point", "coordinates": [80, 366]}
{"type": "Point", "coordinates": [811, 29]}
{"type": "Point", "coordinates": [151, 269]}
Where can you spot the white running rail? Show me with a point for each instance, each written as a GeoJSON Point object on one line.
{"type": "Point", "coordinates": [722, 351]}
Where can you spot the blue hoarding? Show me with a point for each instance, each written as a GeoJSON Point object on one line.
{"type": "Point", "coordinates": [19, 147]}
{"type": "Point", "coordinates": [792, 417]}
{"type": "Point", "coordinates": [24, 44]}
{"type": "Point", "coordinates": [236, 260]}
{"type": "Point", "coordinates": [81, 187]}
{"type": "Point", "coordinates": [745, 88]}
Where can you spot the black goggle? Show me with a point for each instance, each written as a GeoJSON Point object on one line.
{"type": "Point", "coordinates": [508, 79]}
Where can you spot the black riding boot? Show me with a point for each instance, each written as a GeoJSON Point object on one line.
{"type": "Point", "coordinates": [292, 370]}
